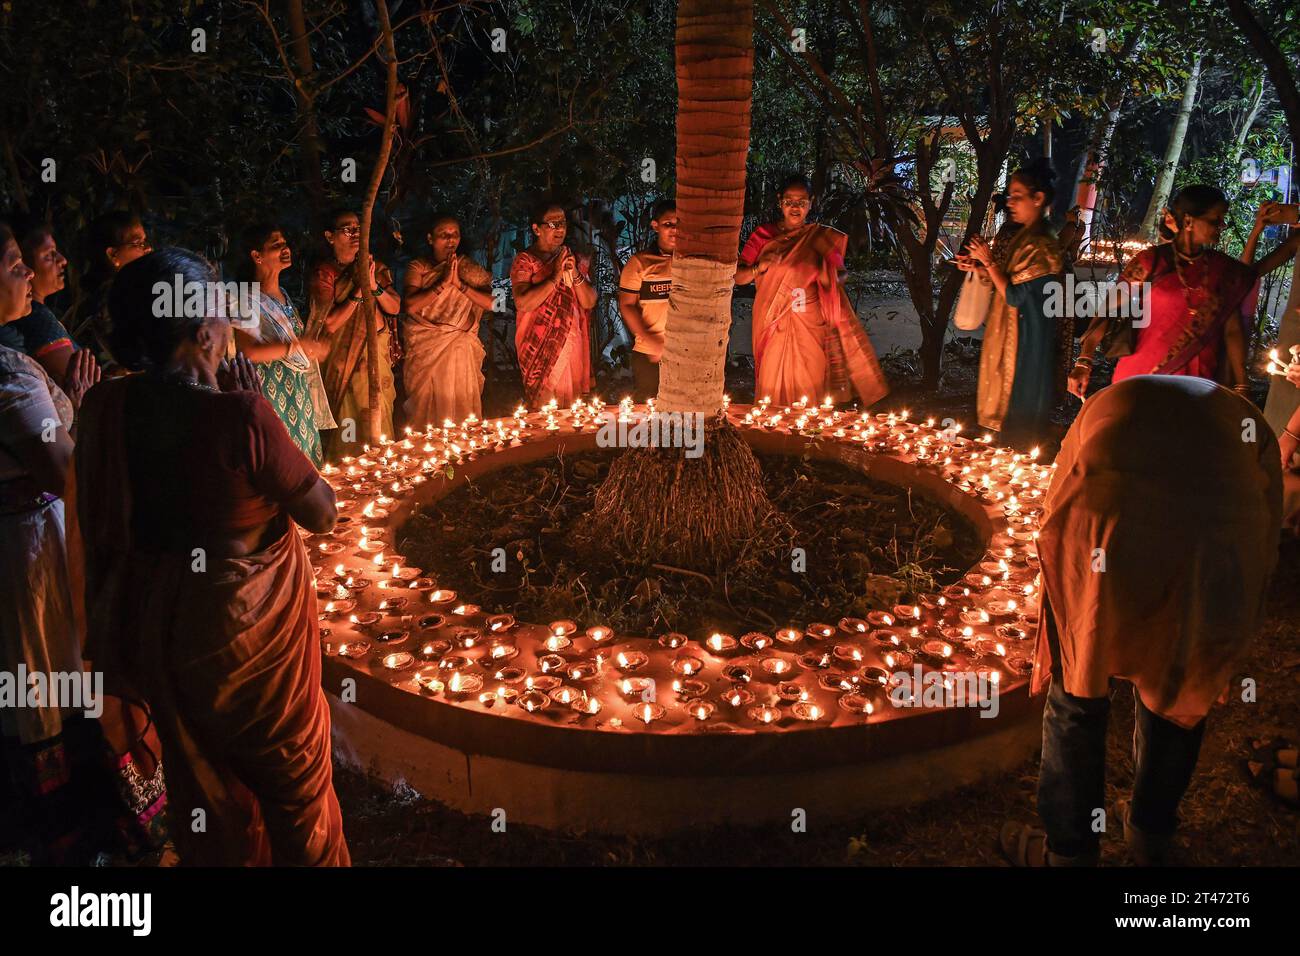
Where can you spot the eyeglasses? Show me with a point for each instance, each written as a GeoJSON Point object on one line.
{"type": "Point", "coordinates": [795, 203]}
{"type": "Point", "coordinates": [140, 244]}
{"type": "Point", "coordinates": [670, 224]}
{"type": "Point", "coordinates": [555, 224]}
{"type": "Point", "coordinates": [349, 230]}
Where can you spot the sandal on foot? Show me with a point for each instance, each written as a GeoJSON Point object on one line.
{"type": "Point", "coordinates": [1272, 765]}
{"type": "Point", "coordinates": [1026, 846]}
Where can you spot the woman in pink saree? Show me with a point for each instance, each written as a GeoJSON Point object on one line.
{"type": "Point", "coordinates": [808, 341]}
{"type": "Point", "coordinates": [1196, 308]}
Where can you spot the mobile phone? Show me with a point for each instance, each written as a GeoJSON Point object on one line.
{"type": "Point", "coordinates": [1284, 214]}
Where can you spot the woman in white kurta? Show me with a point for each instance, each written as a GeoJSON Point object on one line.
{"type": "Point", "coordinates": [444, 299]}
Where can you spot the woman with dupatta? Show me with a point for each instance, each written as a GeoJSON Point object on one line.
{"type": "Point", "coordinates": [1018, 360]}
{"type": "Point", "coordinates": [808, 341]}
{"type": "Point", "coordinates": [286, 362]}
{"type": "Point", "coordinates": [445, 298]}
{"type": "Point", "coordinates": [553, 300]}
{"type": "Point", "coordinates": [199, 594]}
{"type": "Point", "coordinates": [1194, 302]}
{"type": "Point", "coordinates": [334, 317]}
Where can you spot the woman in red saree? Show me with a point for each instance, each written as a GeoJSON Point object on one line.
{"type": "Point", "coordinates": [199, 595]}
{"type": "Point", "coordinates": [553, 300]}
{"type": "Point", "coordinates": [808, 341]}
{"type": "Point", "coordinates": [1194, 302]}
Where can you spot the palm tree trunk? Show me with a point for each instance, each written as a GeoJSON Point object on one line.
{"type": "Point", "coordinates": [715, 81]}
{"type": "Point", "coordinates": [1173, 151]}
{"type": "Point", "coordinates": [664, 504]}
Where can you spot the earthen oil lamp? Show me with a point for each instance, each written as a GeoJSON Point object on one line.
{"type": "Point", "coordinates": [582, 670]}
{"type": "Point", "coordinates": [855, 703]}
{"type": "Point", "coordinates": [354, 649]}
{"type": "Point", "coordinates": [776, 666]}
{"type": "Point", "coordinates": [737, 697]}
{"type": "Point", "coordinates": [738, 673]}
{"type": "Point", "coordinates": [587, 705]}
{"type": "Point", "coordinates": [649, 712]}
{"type": "Point", "coordinates": [442, 596]}
{"type": "Point", "coordinates": [500, 623]}
{"type": "Point", "coordinates": [807, 710]}
{"type": "Point", "coordinates": [600, 634]}
{"type": "Point", "coordinates": [789, 635]}
{"type": "Point", "coordinates": [398, 660]}
{"type": "Point", "coordinates": [690, 687]}
{"type": "Point", "coordinates": [634, 686]}
{"type": "Point", "coordinates": [672, 640]}
{"type": "Point", "coordinates": [721, 644]}
{"type": "Point", "coordinates": [551, 663]}
{"type": "Point", "coordinates": [820, 632]}
{"type": "Point", "coordinates": [686, 665]}
{"type": "Point", "coordinates": [756, 641]}
{"type": "Point", "coordinates": [763, 714]}
{"type": "Point", "coordinates": [629, 661]}
{"type": "Point", "coordinates": [432, 650]}
{"type": "Point", "coordinates": [701, 710]}
{"type": "Point", "coordinates": [789, 691]}
{"type": "Point", "coordinates": [533, 701]}
{"type": "Point", "coordinates": [460, 686]}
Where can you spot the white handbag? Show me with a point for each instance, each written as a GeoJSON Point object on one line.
{"type": "Point", "coordinates": [972, 303]}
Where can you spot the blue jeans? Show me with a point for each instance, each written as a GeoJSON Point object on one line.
{"type": "Point", "coordinates": [1072, 778]}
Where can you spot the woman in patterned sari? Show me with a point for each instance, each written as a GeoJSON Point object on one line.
{"type": "Point", "coordinates": [808, 341]}
{"type": "Point", "coordinates": [335, 318]}
{"type": "Point", "coordinates": [1018, 359]}
{"type": "Point", "coordinates": [286, 362]}
{"type": "Point", "coordinates": [553, 300]}
{"type": "Point", "coordinates": [445, 297]}
{"type": "Point", "coordinates": [1196, 310]}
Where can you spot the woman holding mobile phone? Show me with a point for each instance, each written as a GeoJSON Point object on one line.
{"type": "Point", "coordinates": [1272, 214]}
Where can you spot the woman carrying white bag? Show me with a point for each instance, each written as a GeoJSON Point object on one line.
{"type": "Point", "coordinates": [1018, 357]}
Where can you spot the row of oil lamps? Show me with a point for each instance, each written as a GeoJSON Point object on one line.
{"type": "Point", "coordinates": [981, 621]}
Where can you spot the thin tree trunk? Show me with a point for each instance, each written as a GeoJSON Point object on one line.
{"type": "Point", "coordinates": [368, 306]}
{"type": "Point", "coordinates": [1173, 152]}
{"type": "Point", "coordinates": [1275, 61]}
{"type": "Point", "coordinates": [309, 138]}
{"type": "Point", "coordinates": [1239, 142]}
{"type": "Point", "coordinates": [1086, 187]}
{"type": "Point", "coordinates": [715, 70]}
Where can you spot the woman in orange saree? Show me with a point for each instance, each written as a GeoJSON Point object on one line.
{"type": "Point", "coordinates": [199, 594]}
{"type": "Point", "coordinates": [808, 341]}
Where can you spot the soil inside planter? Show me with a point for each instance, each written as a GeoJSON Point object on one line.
{"type": "Point", "coordinates": [865, 545]}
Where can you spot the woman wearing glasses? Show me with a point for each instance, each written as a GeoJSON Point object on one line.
{"type": "Point", "coordinates": [553, 298]}
{"type": "Point", "coordinates": [808, 341]}
{"type": "Point", "coordinates": [335, 318]}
